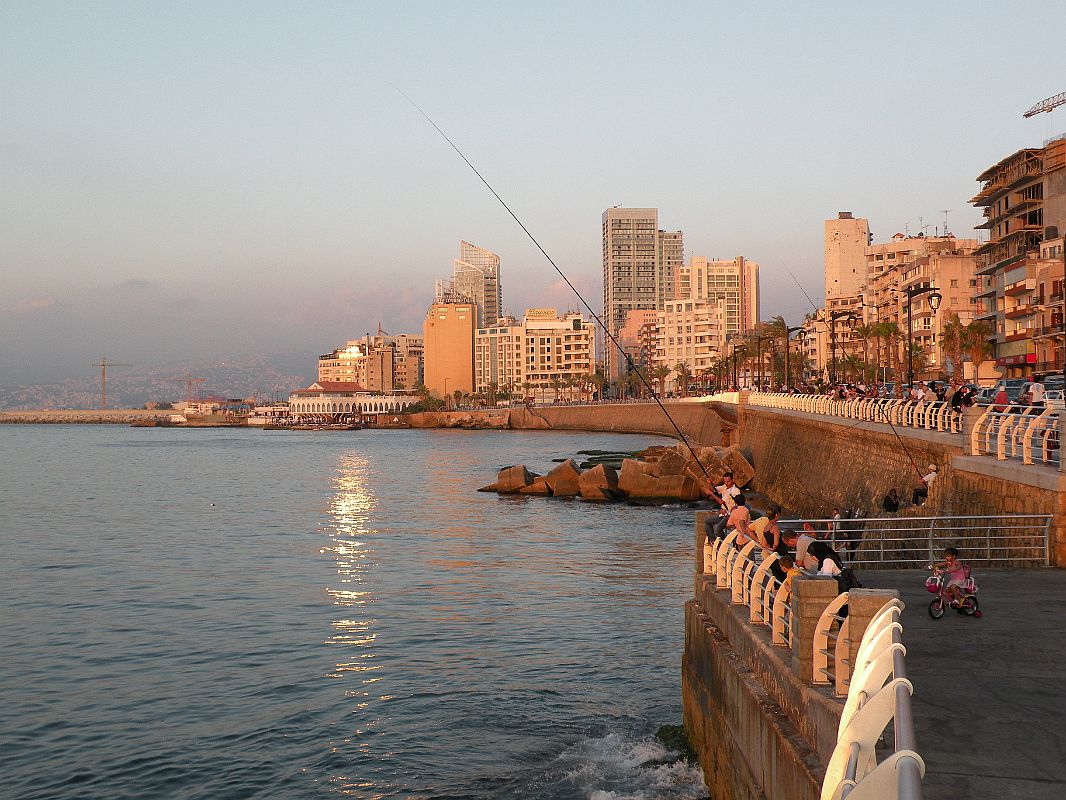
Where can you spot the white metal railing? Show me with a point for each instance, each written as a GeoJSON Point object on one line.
{"type": "Point", "coordinates": [934, 416]}
{"type": "Point", "coordinates": [1031, 434]}
{"type": "Point", "coordinates": [747, 576]}
{"type": "Point", "coordinates": [879, 693]}
{"type": "Point", "coordinates": [832, 666]}
{"type": "Point", "coordinates": [1004, 540]}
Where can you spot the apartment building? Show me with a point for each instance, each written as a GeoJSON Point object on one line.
{"type": "Point", "coordinates": [689, 332]}
{"type": "Point", "coordinates": [733, 285]}
{"type": "Point", "coordinates": [1023, 198]}
{"type": "Point", "coordinates": [380, 363]}
{"type": "Point", "coordinates": [1049, 335]}
{"type": "Point", "coordinates": [641, 264]}
{"type": "Point", "coordinates": [633, 337]}
{"type": "Point", "coordinates": [537, 355]}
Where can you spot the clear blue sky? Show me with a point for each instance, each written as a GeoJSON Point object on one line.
{"type": "Point", "coordinates": [183, 181]}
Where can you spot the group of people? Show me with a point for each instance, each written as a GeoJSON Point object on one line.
{"type": "Point", "coordinates": [797, 551]}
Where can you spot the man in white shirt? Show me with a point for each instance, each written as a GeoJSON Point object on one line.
{"type": "Point", "coordinates": [725, 495]}
{"type": "Point", "coordinates": [921, 491]}
{"type": "Point", "coordinates": [1036, 392]}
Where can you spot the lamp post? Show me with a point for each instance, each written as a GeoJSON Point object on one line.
{"type": "Point", "coordinates": [934, 303]}
{"type": "Point", "coordinates": [788, 332]}
{"type": "Point", "coordinates": [833, 317]}
{"type": "Point", "coordinates": [447, 397]}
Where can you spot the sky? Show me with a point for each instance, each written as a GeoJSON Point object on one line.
{"type": "Point", "coordinates": [200, 180]}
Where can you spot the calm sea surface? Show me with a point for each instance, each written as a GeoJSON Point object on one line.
{"type": "Point", "coordinates": [227, 614]}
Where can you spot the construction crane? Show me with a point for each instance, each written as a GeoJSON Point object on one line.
{"type": "Point", "coordinates": [1047, 105]}
{"type": "Point", "coordinates": [103, 365]}
{"type": "Point", "coordinates": [189, 382]}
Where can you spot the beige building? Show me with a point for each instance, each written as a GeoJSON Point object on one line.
{"type": "Point", "coordinates": [1050, 336]}
{"type": "Point", "coordinates": [846, 240]}
{"type": "Point", "coordinates": [689, 332]}
{"type": "Point", "coordinates": [633, 336]}
{"type": "Point", "coordinates": [733, 285]}
{"type": "Point", "coordinates": [536, 356]}
{"type": "Point", "coordinates": [381, 363]}
{"type": "Point", "coordinates": [476, 276]}
{"type": "Point", "coordinates": [1024, 202]}
{"type": "Point", "coordinates": [338, 401]}
{"type": "Point", "coordinates": [448, 333]}
{"type": "Point", "coordinates": [640, 268]}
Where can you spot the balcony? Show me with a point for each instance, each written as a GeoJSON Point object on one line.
{"type": "Point", "coordinates": [1019, 335]}
{"type": "Point", "coordinates": [1020, 311]}
{"type": "Point", "coordinates": [1020, 287]}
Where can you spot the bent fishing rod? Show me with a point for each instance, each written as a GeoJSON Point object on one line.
{"type": "Point", "coordinates": [593, 314]}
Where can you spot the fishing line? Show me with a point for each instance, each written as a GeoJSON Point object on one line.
{"type": "Point", "coordinates": [551, 261]}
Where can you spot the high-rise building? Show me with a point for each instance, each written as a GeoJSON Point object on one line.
{"type": "Point", "coordinates": [640, 270]}
{"type": "Point", "coordinates": [689, 332]}
{"type": "Point", "coordinates": [846, 240]}
{"type": "Point", "coordinates": [733, 285]}
{"type": "Point", "coordinates": [1024, 202]}
{"type": "Point", "coordinates": [544, 354]}
{"type": "Point", "coordinates": [476, 275]}
{"type": "Point", "coordinates": [448, 332]}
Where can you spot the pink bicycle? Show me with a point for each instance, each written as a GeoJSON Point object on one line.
{"type": "Point", "coordinates": [967, 602]}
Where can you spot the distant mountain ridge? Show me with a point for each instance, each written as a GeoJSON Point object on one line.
{"type": "Point", "coordinates": [131, 387]}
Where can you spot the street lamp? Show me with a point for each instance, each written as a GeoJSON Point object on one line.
{"type": "Point", "coordinates": [849, 317]}
{"type": "Point", "coordinates": [934, 303]}
{"type": "Point", "coordinates": [788, 332]}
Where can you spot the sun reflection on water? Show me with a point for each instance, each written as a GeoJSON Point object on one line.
{"type": "Point", "coordinates": [350, 508]}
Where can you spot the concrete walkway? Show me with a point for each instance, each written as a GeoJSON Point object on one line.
{"type": "Point", "coordinates": [989, 692]}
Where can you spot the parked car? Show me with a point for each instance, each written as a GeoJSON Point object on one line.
{"type": "Point", "coordinates": [1054, 399]}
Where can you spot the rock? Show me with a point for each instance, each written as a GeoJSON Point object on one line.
{"type": "Point", "coordinates": [712, 463]}
{"type": "Point", "coordinates": [539, 487]}
{"type": "Point", "coordinates": [563, 479]}
{"type": "Point", "coordinates": [599, 483]}
{"type": "Point", "coordinates": [492, 487]}
{"type": "Point", "coordinates": [670, 462]}
{"type": "Point", "coordinates": [638, 485]}
{"type": "Point", "coordinates": [511, 479]}
{"type": "Point", "coordinates": [743, 472]}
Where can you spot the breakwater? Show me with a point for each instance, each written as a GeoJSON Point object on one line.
{"type": "Point", "coordinates": [118, 416]}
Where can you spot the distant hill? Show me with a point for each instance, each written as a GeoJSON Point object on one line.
{"type": "Point", "coordinates": [132, 387]}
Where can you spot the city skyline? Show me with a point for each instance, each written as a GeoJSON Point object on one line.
{"type": "Point", "coordinates": [184, 183]}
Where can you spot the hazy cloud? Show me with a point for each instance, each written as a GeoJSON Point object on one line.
{"type": "Point", "coordinates": [34, 305]}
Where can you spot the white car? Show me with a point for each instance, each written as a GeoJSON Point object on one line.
{"type": "Point", "coordinates": [1054, 399]}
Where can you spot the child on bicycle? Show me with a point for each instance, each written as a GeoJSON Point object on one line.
{"type": "Point", "coordinates": [955, 572]}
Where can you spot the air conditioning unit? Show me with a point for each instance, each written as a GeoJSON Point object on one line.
{"type": "Point", "coordinates": [1051, 232]}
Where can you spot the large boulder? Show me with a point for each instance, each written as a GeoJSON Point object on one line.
{"type": "Point", "coordinates": [539, 487]}
{"type": "Point", "coordinates": [511, 479]}
{"type": "Point", "coordinates": [709, 465]}
{"type": "Point", "coordinates": [638, 485]}
{"type": "Point", "coordinates": [670, 462]}
{"type": "Point", "coordinates": [599, 483]}
{"type": "Point", "coordinates": [743, 471]}
{"type": "Point", "coordinates": [563, 479]}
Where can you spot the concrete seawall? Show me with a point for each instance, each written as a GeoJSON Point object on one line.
{"type": "Point", "coordinates": [698, 422]}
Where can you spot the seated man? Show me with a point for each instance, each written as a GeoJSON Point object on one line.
{"type": "Point", "coordinates": [725, 495]}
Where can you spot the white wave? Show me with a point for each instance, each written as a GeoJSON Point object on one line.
{"type": "Point", "coordinates": [613, 768]}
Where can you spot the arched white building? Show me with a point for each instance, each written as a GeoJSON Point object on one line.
{"type": "Point", "coordinates": [340, 401]}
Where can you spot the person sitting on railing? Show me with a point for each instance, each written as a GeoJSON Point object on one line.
{"type": "Point", "coordinates": [739, 520]}
{"type": "Point", "coordinates": [961, 398]}
{"type": "Point", "coordinates": [725, 496]}
{"type": "Point", "coordinates": [921, 490]}
{"type": "Point", "coordinates": [789, 568]}
{"type": "Point", "coordinates": [1001, 402]}
{"type": "Point", "coordinates": [825, 558]}
{"type": "Point", "coordinates": [765, 531]}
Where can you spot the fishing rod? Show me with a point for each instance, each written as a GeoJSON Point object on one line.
{"type": "Point", "coordinates": [593, 314]}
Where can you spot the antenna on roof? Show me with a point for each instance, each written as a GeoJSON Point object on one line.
{"type": "Point", "coordinates": [945, 212]}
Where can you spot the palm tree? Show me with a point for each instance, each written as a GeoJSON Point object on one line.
{"type": "Point", "coordinates": [977, 341]}
{"type": "Point", "coordinates": [598, 381]}
{"type": "Point", "coordinates": [659, 374]}
{"type": "Point", "coordinates": [865, 333]}
{"type": "Point", "coordinates": [684, 377]}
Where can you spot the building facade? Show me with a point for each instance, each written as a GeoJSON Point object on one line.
{"type": "Point", "coordinates": [336, 401]}
{"type": "Point", "coordinates": [448, 335]}
{"type": "Point", "coordinates": [689, 332]}
{"type": "Point", "coordinates": [476, 276]}
{"type": "Point", "coordinates": [1023, 198]}
{"type": "Point", "coordinates": [543, 355]}
{"type": "Point", "coordinates": [846, 240]}
{"type": "Point", "coordinates": [733, 285]}
{"type": "Point", "coordinates": [641, 267]}
{"type": "Point", "coordinates": [381, 363]}
{"type": "Point", "coordinates": [1050, 334]}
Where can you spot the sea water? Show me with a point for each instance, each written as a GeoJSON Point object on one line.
{"type": "Point", "coordinates": [240, 613]}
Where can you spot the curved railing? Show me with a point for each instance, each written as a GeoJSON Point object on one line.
{"type": "Point", "coordinates": [831, 663]}
{"type": "Point", "coordinates": [934, 416]}
{"type": "Point", "coordinates": [746, 574]}
{"type": "Point", "coordinates": [879, 693]}
{"type": "Point", "coordinates": [1031, 434]}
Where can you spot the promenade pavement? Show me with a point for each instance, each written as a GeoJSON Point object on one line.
{"type": "Point", "coordinates": [990, 692]}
